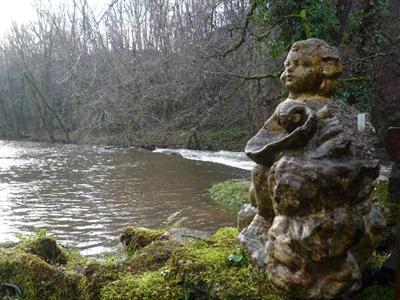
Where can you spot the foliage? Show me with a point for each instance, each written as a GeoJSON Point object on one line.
{"type": "Point", "coordinates": [232, 139]}
{"type": "Point", "coordinates": [355, 28]}
{"type": "Point", "coordinates": [376, 262]}
{"type": "Point", "coordinates": [238, 258]}
{"type": "Point", "coordinates": [139, 67]}
{"type": "Point", "coordinates": [230, 193]}
{"type": "Point", "coordinates": [376, 292]}
{"type": "Point", "coordinates": [297, 20]}
{"type": "Point", "coordinates": [141, 72]}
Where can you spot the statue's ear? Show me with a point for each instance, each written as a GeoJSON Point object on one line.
{"type": "Point", "coordinates": [331, 67]}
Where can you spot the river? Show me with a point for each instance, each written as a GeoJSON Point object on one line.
{"type": "Point", "coordinates": [85, 195]}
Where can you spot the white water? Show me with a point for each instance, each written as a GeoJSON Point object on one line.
{"type": "Point", "coordinates": [233, 159]}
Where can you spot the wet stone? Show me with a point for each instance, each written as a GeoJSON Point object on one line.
{"type": "Point", "coordinates": [246, 215]}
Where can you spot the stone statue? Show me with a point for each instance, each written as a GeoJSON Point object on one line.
{"type": "Point", "coordinates": [310, 225]}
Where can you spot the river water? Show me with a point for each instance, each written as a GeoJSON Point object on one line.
{"type": "Point", "coordinates": [85, 195]}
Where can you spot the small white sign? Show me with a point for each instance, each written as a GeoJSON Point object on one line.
{"type": "Point", "coordinates": [361, 122]}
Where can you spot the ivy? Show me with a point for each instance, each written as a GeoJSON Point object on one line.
{"type": "Point", "coordinates": [278, 24]}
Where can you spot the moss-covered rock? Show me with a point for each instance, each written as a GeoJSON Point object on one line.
{"type": "Point", "coordinates": [212, 269]}
{"type": "Point", "coordinates": [152, 257]}
{"type": "Point", "coordinates": [97, 275]}
{"type": "Point", "coordinates": [218, 271]}
{"type": "Point", "coordinates": [37, 278]}
{"type": "Point", "coordinates": [135, 238]}
{"type": "Point", "coordinates": [216, 268]}
{"type": "Point", "coordinates": [46, 248]}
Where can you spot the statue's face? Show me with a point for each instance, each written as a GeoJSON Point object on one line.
{"type": "Point", "coordinates": [302, 73]}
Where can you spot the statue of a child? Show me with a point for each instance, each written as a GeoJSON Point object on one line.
{"type": "Point", "coordinates": [314, 223]}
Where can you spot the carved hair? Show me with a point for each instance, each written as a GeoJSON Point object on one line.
{"type": "Point", "coordinates": [329, 58]}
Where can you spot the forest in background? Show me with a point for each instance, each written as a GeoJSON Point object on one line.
{"type": "Point", "coordinates": [188, 73]}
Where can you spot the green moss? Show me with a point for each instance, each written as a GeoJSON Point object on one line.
{"type": "Point", "coordinates": [151, 285]}
{"type": "Point", "coordinates": [207, 270]}
{"type": "Point", "coordinates": [152, 257]}
{"type": "Point", "coordinates": [98, 275]}
{"type": "Point", "coordinates": [46, 248]}
{"type": "Point", "coordinates": [376, 261]}
{"type": "Point", "coordinates": [37, 278]}
{"type": "Point", "coordinates": [226, 236]}
{"type": "Point", "coordinates": [75, 261]}
{"type": "Point", "coordinates": [380, 193]}
{"type": "Point", "coordinates": [136, 238]}
{"type": "Point", "coordinates": [379, 197]}
{"type": "Point", "coordinates": [376, 292]}
{"type": "Point", "coordinates": [162, 269]}
{"type": "Point", "coordinates": [230, 193]}
{"type": "Point", "coordinates": [213, 269]}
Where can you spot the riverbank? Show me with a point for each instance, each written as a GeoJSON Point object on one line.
{"type": "Point", "coordinates": [151, 265]}
{"type": "Point", "coordinates": [229, 139]}
{"type": "Point", "coordinates": [171, 263]}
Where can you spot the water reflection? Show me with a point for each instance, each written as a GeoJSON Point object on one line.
{"type": "Point", "coordinates": [85, 195]}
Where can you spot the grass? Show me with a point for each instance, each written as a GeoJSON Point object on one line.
{"type": "Point", "coordinates": [230, 193]}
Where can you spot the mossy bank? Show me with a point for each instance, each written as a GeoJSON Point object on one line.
{"type": "Point", "coordinates": [152, 265]}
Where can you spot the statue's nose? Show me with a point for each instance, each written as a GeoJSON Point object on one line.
{"type": "Point", "coordinates": [289, 68]}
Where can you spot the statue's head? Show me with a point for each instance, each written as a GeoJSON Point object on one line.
{"type": "Point", "coordinates": [311, 69]}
